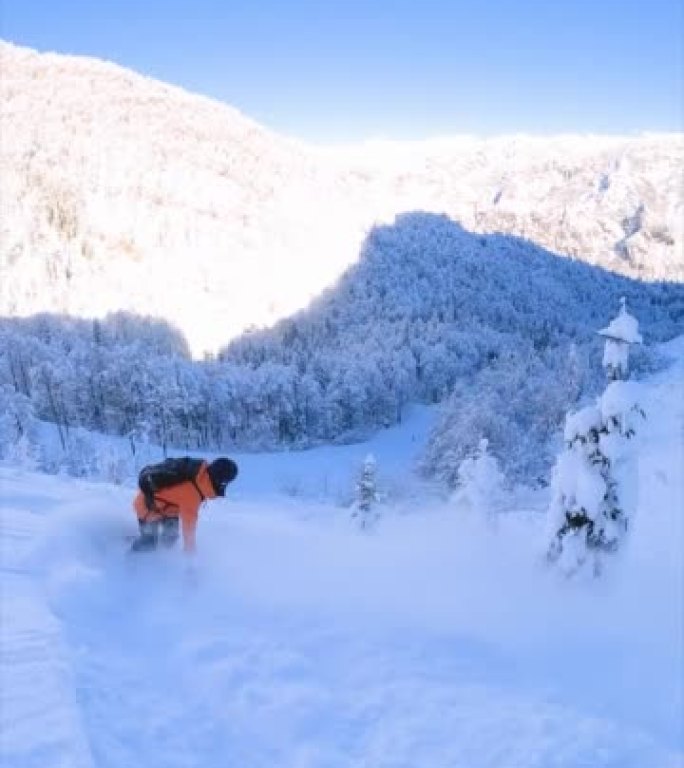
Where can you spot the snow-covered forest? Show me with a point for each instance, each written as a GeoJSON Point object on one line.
{"type": "Point", "coordinates": [312, 294]}
{"type": "Point", "coordinates": [498, 330]}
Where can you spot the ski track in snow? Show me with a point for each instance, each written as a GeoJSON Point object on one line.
{"type": "Point", "coordinates": [298, 643]}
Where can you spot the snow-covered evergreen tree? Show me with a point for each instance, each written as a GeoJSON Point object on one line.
{"type": "Point", "coordinates": [593, 489]}
{"type": "Point", "coordinates": [365, 511]}
{"type": "Point", "coordinates": [480, 483]}
{"type": "Point", "coordinates": [619, 334]}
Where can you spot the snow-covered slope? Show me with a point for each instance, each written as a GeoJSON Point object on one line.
{"type": "Point", "coordinates": [300, 643]}
{"type": "Point", "coordinates": [122, 193]}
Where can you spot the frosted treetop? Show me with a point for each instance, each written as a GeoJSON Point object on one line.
{"type": "Point", "coordinates": [624, 327]}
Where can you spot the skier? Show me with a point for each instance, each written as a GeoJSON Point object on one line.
{"type": "Point", "coordinates": [171, 495]}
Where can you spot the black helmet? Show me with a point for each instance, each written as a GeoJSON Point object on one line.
{"type": "Point", "coordinates": [222, 472]}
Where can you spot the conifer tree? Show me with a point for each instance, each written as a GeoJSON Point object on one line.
{"type": "Point", "coordinates": [593, 494]}
{"type": "Point", "coordinates": [365, 511]}
{"type": "Point", "coordinates": [619, 334]}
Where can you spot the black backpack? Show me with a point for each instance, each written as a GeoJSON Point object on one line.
{"type": "Point", "coordinates": [166, 474]}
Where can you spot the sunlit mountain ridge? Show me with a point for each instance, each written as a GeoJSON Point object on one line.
{"type": "Point", "coordinates": [123, 193]}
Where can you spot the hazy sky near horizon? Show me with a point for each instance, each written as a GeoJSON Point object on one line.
{"type": "Point", "coordinates": [340, 71]}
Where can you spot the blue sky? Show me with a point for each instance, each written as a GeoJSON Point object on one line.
{"type": "Point", "coordinates": [332, 71]}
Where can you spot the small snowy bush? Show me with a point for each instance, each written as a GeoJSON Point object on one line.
{"type": "Point", "coordinates": [114, 466]}
{"type": "Point", "coordinates": [23, 453]}
{"type": "Point", "coordinates": [480, 483]}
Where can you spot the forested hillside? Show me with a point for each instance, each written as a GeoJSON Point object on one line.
{"type": "Point", "coordinates": [499, 328]}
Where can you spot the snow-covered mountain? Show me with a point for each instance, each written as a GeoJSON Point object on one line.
{"type": "Point", "coordinates": [123, 193]}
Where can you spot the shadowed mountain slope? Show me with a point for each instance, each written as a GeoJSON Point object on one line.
{"type": "Point", "coordinates": [428, 278]}
{"type": "Point", "coordinates": [502, 328]}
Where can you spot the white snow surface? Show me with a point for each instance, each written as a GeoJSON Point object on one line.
{"type": "Point", "coordinates": [296, 641]}
{"type": "Point", "coordinates": [620, 398]}
{"type": "Point", "coordinates": [582, 422]}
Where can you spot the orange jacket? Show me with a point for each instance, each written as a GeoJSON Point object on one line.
{"type": "Point", "coordinates": [182, 501]}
